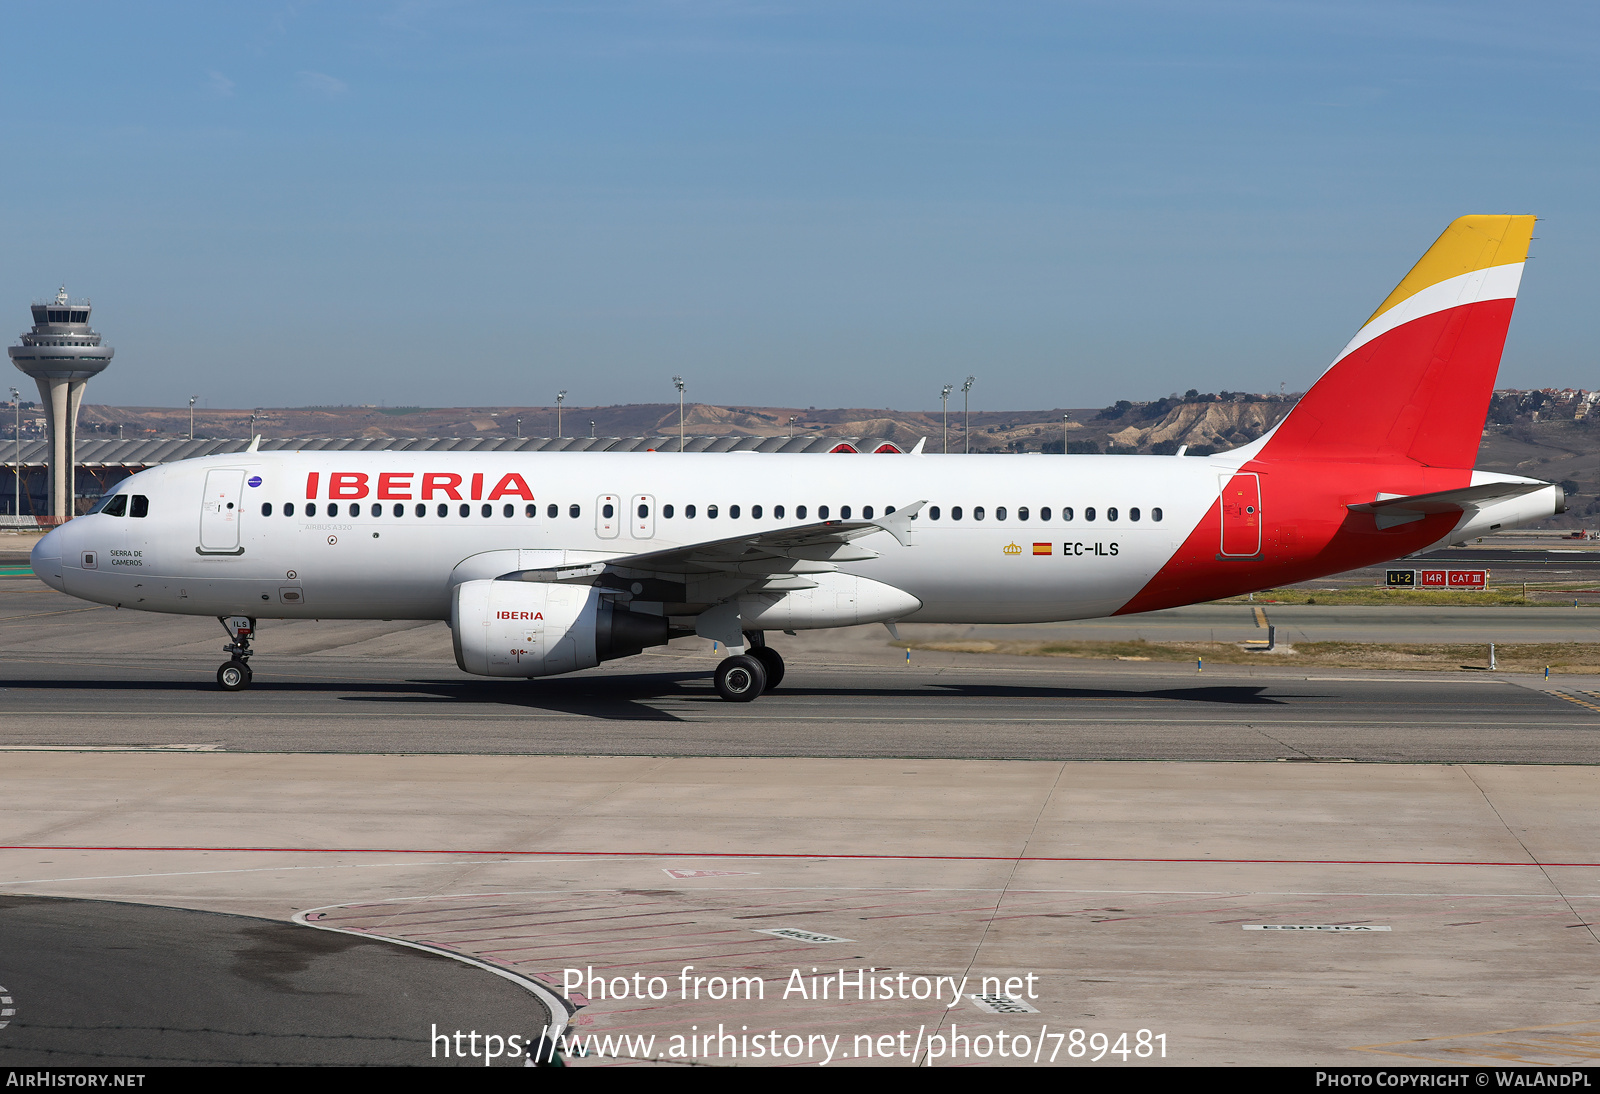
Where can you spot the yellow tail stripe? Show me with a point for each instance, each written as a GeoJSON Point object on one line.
{"type": "Point", "coordinates": [1469, 244]}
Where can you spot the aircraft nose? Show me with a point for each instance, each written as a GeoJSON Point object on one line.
{"type": "Point", "coordinates": [46, 558]}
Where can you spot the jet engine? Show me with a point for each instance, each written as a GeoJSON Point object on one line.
{"type": "Point", "coordinates": [533, 628]}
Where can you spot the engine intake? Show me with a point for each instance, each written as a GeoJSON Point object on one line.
{"type": "Point", "coordinates": [531, 628]}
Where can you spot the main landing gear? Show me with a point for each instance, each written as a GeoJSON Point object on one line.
{"type": "Point", "coordinates": [234, 674]}
{"type": "Point", "coordinates": [744, 676]}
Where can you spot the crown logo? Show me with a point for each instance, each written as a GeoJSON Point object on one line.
{"type": "Point", "coordinates": [1012, 549]}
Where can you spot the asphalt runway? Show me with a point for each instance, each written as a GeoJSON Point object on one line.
{"type": "Point", "coordinates": [76, 676]}
{"type": "Point", "coordinates": [94, 983]}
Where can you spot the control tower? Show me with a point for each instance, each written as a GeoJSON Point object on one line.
{"type": "Point", "coordinates": [61, 353]}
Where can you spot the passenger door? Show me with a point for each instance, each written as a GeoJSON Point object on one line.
{"type": "Point", "coordinates": [220, 511]}
{"type": "Point", "coordinates": [1241, 515]}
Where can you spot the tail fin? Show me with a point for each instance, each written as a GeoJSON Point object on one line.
{"type": "Point", "coordinates": [1415, 381]}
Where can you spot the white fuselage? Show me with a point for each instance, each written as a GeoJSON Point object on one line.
{"type": "Point", "coordinates": [978, 566]}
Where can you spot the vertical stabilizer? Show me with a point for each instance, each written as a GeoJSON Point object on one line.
{"type": "Point", "coordinates": [1414, 383]}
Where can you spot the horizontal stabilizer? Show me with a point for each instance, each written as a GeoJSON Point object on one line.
{"type": "Point", "coordinates": [1391, 510]}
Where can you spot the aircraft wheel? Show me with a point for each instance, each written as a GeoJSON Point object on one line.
{"type": "Point", "coordinates": [234, 676]}
{"type": "Point", "coordinates": [741, 678]}
{"type": "Point", "coordinates": [772, 662]}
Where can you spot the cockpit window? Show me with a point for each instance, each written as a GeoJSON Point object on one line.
{"type": "Point", "coordinates": [141, 506]}
{"type": "Point", "coordinates": [112, 505]}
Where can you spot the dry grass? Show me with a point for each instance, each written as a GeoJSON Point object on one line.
{"type": "Point", "coordinates": [1493, 597]}
{"type": "Point", "coordinates": [1573, 657]}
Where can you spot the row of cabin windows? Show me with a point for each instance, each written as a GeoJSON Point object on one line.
{"type": "Point", "coordinates": [1112, 513]}
{"type": "Point", "coordinates": [353, 509]}
{"type": "Point", "coordinates": [668, 511]}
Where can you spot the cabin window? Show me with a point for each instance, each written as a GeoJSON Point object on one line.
{"type": "Point", "coordinates": [531, 511]}
{"type": "Point", "coordinates": [422, 510]}
{"type": "Point", "coordinates": [933, 513]}
{"type": "Point", "coordinates": [574, 511]}
{"type": "Point", "coordinates": [377, 510]}
{"type": "Point", "coordinates": [608, 510]}
{"type": "Point", "coordinates": [1133, 514]}
{"type": "Point", "coordinates": [311, 509]}
{"type": "Point", "coordinates": [866, 512]}
{"type": "Point", "coordinates": [266, 509]}
{"type": "Point", "coordinates": [777, 512]}
{"type": "Point", "coordinates": [551, 511]}
{"type": "Point", "coordinates": [888, 509]}
{"type": "Point", "coordinates": [711, 512]}
{"type": "Point", "coordinates": [688, 512]}
{"type": "Point", "coordinates": [644, 511]}
{"type": "Point", "coordinates": [666, 510]}
{"type": "Point", "coordinates": [977, 512]}
{"type": "Point", "coordinates": [444, 510]}
{"type": "Point", "coordinates": [800, 512]}
{"type": "Point", "coordinates": [844, 512]}
{"type": "Point", "coordinates": [399, 509]}
{"type": "Point", "coordinates": [288, 508]}
{"type": "Point", "coordinates": [1155, 514]}
{"type": "Point", "coordinates": [1111, 513]}
{"type": "Point", "coordinates": [1000, 512]}
{"type": "Point", "coordinates": [755, 512]}
{"type": "Point", "coordinates": [1022, 513]}
{"type": "Point", "coordinates": [465, 510]}
{"type": "Point", "coordinates": [733, 512]}
{"type": "Point", "coordinates": [333, 508]}
{"type": "Point", "coordinates": [508, 510]}
{"type": "Point", "coordinates": [955, 512]}
{"type": "Point", "coordinates": [822, 512]}
{"type": "Point", "coordinates": [1088, 513]}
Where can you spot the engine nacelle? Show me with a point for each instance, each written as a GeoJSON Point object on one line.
{"type": "Point", "coordinates": [534, 628]}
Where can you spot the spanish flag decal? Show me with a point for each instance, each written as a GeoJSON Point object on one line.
{"type": "Point", "coordinates": [1041, 548]}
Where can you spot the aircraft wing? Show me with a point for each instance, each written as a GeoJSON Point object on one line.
{"type": "Point", "coordinates": [756, 556]}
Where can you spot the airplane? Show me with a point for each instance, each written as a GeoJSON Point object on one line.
{"type": "Point", "coordinates": [550, 563]}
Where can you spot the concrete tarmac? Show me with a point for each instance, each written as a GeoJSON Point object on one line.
{"type": "Point", "coordinates": [80, 676]}
{"type": "Point", "coordinates": [964, 817]}
{"type": "Point", "coordinates": [1114, 897]}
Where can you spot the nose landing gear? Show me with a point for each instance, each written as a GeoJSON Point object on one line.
{"type": "Point", "coordinates": [234, 674]}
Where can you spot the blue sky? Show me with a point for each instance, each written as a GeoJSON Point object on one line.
{"type": "Point", "coordinates": [829, 204]}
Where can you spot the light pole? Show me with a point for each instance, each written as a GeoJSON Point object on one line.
{"type": "Point", "coordinates": [16, 401]}
{"type": "Point", "coordinates": [966, 409]}
{"type": "Point", "coordinates": [944, 399]}
{"type": "Point", "coordinates": [677, 382]}
{"type": "Point", "coordinates": [591, 430]}
{"type": "Point", "coordinates": [519, 429]}
{"type": "Point", "coordinates": [791, 427]}
{"type": "Point", "coordinates": [192, 398]}
{"type": "Point", "coordinates": [253, 415]}
{"type": "Point", "coordinates": [560, 395]}
{"type": "Point", "coordinates": [1065, 422]}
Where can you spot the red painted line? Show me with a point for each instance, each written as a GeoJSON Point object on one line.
{"type": "Point", "coordinates": [781, 855]}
